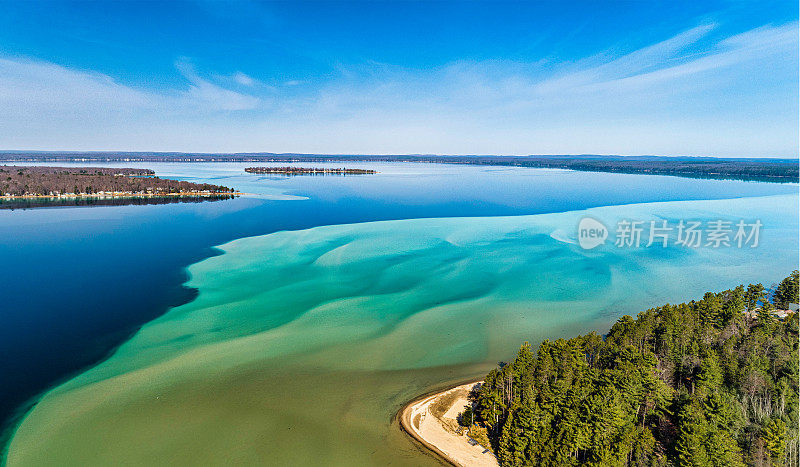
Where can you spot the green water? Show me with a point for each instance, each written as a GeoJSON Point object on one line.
{"type": "Point", "coordinates": [301, 346]}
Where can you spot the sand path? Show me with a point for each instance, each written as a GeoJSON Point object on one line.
{"type": "Point", "coordinates": [418, 420]}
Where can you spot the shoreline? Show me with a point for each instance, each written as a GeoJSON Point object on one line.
{"type": "Point", "coordinates": [293, 170]}
{"type": "Point", "coordinates": [686, 167]}
{"type": "Point", "coordinates": [457, 452]}
{"type": "Point", "coordinates": [122, 195]}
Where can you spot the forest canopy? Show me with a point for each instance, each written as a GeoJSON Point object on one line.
{"type": "Point", "coordinates": [709, 383]}
{"type": "Point", "coordinates": [55, 181]}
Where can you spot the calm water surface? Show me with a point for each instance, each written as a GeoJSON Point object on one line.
{"type": "Point", "coordinates": [75, 282]}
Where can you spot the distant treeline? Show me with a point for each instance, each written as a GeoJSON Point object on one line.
{"type": "Point", "coordinates": [712, 169]}
{"type": "Point", "coordinates": [770, 170]}
{"type": "Point", "coordinates": [78, 181]}
{"type": "Point", "coordinates": [700, 383]}
{"type": "Point", "coordinates": [290, 170]}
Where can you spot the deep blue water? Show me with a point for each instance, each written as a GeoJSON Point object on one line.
{"type": "Point", "coordinates": [76, 281]}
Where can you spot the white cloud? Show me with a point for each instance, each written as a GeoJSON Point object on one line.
{"type": "Point", "coordinates": [690, 94]}
{"type": "Point", "coordinates": [602, 68]}
{"type": "Point", "coordinates": [41, 86]}
{"type": "Point", "coordinates": [205, 93]}
{"type": "Point", "coordinates": [243, 79]}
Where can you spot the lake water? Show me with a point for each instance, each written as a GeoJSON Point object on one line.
{"type": "Point", "coordinates": [301, 345]}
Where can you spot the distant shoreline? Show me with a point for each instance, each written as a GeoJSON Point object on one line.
{"type": "Point", "coordinates": [123, 195]}
{"type": "Point", "coordinates": [776, 170]}
{"type": "Point", "coordinates": [293, 170]}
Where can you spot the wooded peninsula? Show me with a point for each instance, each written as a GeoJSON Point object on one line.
{"type": "Point", "coordinates": [712, 382]}
{"type": "Point", "coordinates": [307, 171]}
{"type": "Point", "coordinates": [24, 187]}
{"type": "Point", "coordinates": [66, 182]}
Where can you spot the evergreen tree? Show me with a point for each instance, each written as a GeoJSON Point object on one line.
{"type": "Point", "coordinates": [755, 293]}
{"type": "Point", "coordinates": [686, 384]}
{"type": "Point", "coordinates": [774, 436]}
{"type": "Point", "coordinates": [786, 291]}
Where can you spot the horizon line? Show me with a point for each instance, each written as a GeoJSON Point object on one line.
{"type": "Point", "coordinates": [302, 154]}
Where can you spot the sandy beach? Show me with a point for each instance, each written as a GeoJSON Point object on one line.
{"type": "Point", "coordinates": [432, 420]}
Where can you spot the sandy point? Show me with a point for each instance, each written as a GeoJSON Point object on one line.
{"type": "Point", "coordinates": [432, 420]}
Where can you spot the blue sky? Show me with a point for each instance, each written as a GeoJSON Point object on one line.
{"type": "Point", "coordinates": [643, 77]}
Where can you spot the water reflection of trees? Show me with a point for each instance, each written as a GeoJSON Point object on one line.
{"type": "Point", "coordinates": [29, 203]}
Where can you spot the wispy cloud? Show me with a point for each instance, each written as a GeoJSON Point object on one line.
{"type": "Point", "coordinates": [243, 79]}
{"type": "Point", "coordinates": [693, 93]}
{"type": "Point", "coordinates": [607, 67]}
{"type": "Point", "coordinates": [41, 86]}
{"type": "Point", "coordinates": [47, 87]}
{"type": "Point", "coordinates": [757, 44]}
{"type": "Point", "coordinates": [204, 93]}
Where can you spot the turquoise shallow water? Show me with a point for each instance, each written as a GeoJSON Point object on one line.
{"type": "Point", "coordinates": [301, 345]}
